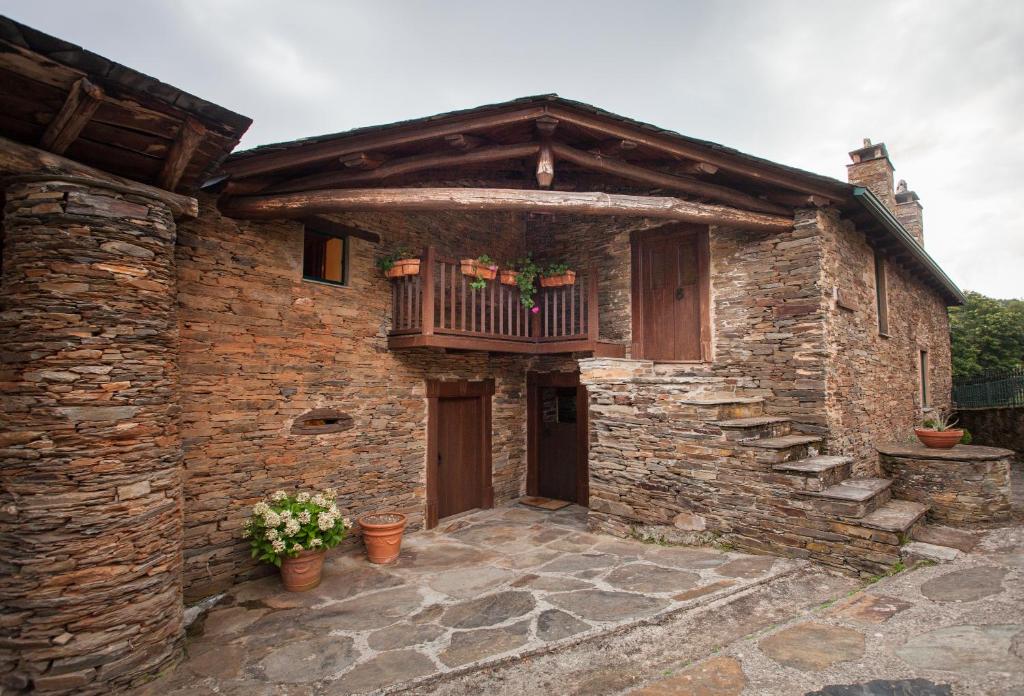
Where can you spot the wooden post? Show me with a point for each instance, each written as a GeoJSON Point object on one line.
{"type": "Point", "coordinates": [427, 292]}
{"type": "Point", "coordinates": [592, 323]}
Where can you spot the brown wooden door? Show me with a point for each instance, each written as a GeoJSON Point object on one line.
{"type": "Point", "coordinates": [557, 456]}
{"type": "Point", "coordinates": [669, 284]}
{"type": "Point", "coordinates": [459, 455]}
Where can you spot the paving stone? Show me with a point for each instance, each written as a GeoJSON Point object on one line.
{"type": "Point", "coordinates": [464, 583]}
{"type": "Point", "coordinates": [529, 560]}
{"type": "Point", "coordinates": [746, 567]}
{"type": "Point", "coordinates": [685, 557]}
{"type": "Point", "coordinates": [383, 670]}
{"type": "Point", "coordinates": [222, 661]}
{"type": "Point", "coordinates": [604, 605]}
{"type": "Point", "coordinates": [489, 610]}
{"type": "Point", "coordinates": [553, 624]}
{"type": "Point", "coordinates": [870, 608]}
{"type": "Point", "coordinates": [551, 583]}
{"type": "Point", "coordinates": [348, 580]}
{"type": "Point", "coordinates": [221, 622]}
{"type": "Point", "coordinates": [813, 646]}
{"type": "Point", "coordinates": [434, 556]}
{"type": "Point", "coordinates": [374, 610]}
{"type": "Point", "coordinates": [471, 646]}
{"type": "Point", "coordinates": [309, 660]}
{"type": "Point", "coordinates": [965, 585]}
{"type": "Point", "coordinates": [403, 635]}
{"type": "Point", "coordinates": [703, 590]}
{"type": "Point", "coordinates": [966, 648]}
{"type": "Point", "coordinates": [886, 687]}
{"type": "Point", "coordinates": [575, 562]}
{"type": "Point", "coordinates": [919, 551]}
{"type": "Point", "coordinates": [643, 577]}
{"type": "Point", "coordinates": [719, 676]}
{"type": "Point", "coordinates": [580, 541]}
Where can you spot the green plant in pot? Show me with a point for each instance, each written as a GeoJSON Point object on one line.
{"type": "Point", "coordinates": [399, 262]}
{"type": "Point", "coordinates": [523, 274]}
{"type": "Point", "coordinates": [482, 269]}
{"type": "Point", "coordinates": [939, 432]}
{"type": "Point", "coordinates": [556, 275]}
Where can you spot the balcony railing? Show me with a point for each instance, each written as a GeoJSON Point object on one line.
{"type": "Point", "coordinates": [439, 308]}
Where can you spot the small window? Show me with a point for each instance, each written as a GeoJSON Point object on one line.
{"type": "Point", "coordinates": [881, 296]}
{"type": "Point", "coordinates": [325, 257]}
{"type": "Point", "coordinates": [567, 405]}
{"type": "Point", "coordinates": [923, 367]}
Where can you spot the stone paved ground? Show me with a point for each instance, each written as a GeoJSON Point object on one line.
{"type": "Point", "coordinates": [492, 586]}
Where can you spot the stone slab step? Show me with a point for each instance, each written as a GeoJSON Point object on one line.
{"type": "Point", "coordinates": [754, 427]}
{"type": "Point", "coordinates": [716, 408]}
{"type": "Point", "coordinates": [752, 422]}
{"type": "Point", "coordinates": [896, 516]}
{"type": "Point", "coordinates": [939, 535]}
{"type": "Point", "coordinates": [815, 473]}
{"type": "Point", "coordinates": [921, 551]}
{"type": "Point", "coordinates": [853, 497]}
{"type": "Point", "coordinates": [783, 442]}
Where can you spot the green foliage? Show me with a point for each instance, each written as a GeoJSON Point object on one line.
{"type": "Point", "coordinates": [967, 438]}
{"type": "Point", "coordinates": [944, 421]}
{"type": "Point", "coordinates": [555, 269]}
{"type": "Point", "coordinates": [527, 271]}
{"type": "Point", "coordinates": [987, 335]}
{"type": "Point", "coordinates": [286, 525]}
{"type": "Point", "coordinates": [387, 261]}
{"type": "Point", "coordinates": [479, 283]}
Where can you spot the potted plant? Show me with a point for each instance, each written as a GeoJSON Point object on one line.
{"type": "Point", "coordinates": [523, 274]}
{"type": "Point", "coordinates": [382, 534]}
{"type": "Point", "coordinates": [939, 433]}
{"type": "Point", "coordinates": [556, 275]}
{"type": "Point", "coordinates": [398, 263]}
{"type": "Point", "coordinates": [481, 269]}
{"type": "Point", "coordinates": [293, 532]}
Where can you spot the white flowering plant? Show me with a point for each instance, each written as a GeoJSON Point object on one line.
{"type": "Point", "coordinates": [286, 525]}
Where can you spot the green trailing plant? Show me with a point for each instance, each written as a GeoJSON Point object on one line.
{"type": "Point", "coordinates": [940, 423]}
{"type": "Point", "coordinates": [526, 278]}
{"type": "Point", "coordinates": [555, 269]}
{"type": "Point", "coordinates": [387, 262]}
{"type": "Point", "coordinates": [286, 525]}
{"type": "Point", "coordinates": [479, 283]}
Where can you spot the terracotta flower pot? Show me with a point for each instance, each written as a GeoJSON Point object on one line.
{"type": "Point", "coordinates": [382, 534]}
{"type": "Point", "coordinates": [404, 267]}
{"type": "Point", "coordinates": [509, 277]}
{"type": "Point", "coordinates": [939, 439]}
{"type": "Point", "coordinates": [302, 572]}
{"type": "Point", "coordinates": [567, 278]}
{"type": "Point", "coordinates": [475, 269]}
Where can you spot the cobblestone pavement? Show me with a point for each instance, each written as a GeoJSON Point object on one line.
{"type": "Point", "coordinates": [492, 586]}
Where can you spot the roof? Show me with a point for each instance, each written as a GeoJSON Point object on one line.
{"type": "Point", "coordinates": [67, 100]}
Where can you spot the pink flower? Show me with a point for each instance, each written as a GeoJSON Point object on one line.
{"type": "Point", "coordinates": [535, 309]}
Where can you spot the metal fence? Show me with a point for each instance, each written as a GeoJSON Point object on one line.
{"type": "Point", "coordinates": [990, 390]}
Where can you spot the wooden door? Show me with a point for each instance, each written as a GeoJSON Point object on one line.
{"type": "Point", "coordinates": [669, 300]}
{"type": "Point", "coordinates": [557, 437]}
{"type": "Point", "coordinates": [459, 455]}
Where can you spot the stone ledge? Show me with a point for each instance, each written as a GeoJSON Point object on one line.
{"type": "Point", "coordinates": [965, 453]}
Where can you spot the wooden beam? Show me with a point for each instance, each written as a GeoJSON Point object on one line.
{"type": "Point", "coordinates": [363, 160]}
{"type": "Point", "coordinates": [18, 159]}
{"type": "Point", "coordinates": [408, 165]}
{"type": "Point", "coordinates": [545, 166]}
{"type": "Point", "coordinates": [798, 200]}
{"type": "Point", "coordinates": [546, 126]}
{"type": "Point", "coordinates": [327, 225]}
{"type": "Point", "coordinates": [699, 168]}
{"type": "Point", "coordinates": [300, 205]}
{"type": "Point", "coordinates": [614, 148]}
{"type": "Point", "coordinates": [669, 181]}
{"type": "Point", "coordinates": [461, 141]}
{"type": "Point", "coordinates": [81, 103]}
{"type": "Point", "coordinates": [189, 137]}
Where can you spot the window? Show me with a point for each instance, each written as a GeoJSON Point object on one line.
{"type": "Point", "coordinates": [923, 366]}
{"type": "Point", "coordinates": [325, 257]}
{"type": "Point", "coordinates": [881, 296]}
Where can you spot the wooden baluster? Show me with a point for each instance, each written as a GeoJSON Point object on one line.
{"type": "Point", "coordinates": [472, 308]}
{"type": "Point", "coordinates": [427, 292]}
{"type": "Point", "coordinates": [465, 301]}
{"type": "Point", "coordinates": [592, 322]}
{"type": "Point", "coordinates": [443, 279]}
{"type": "Point", "coordinates": [454, 280]}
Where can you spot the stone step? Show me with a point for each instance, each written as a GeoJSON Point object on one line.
{"type": "Point", "coordinates": [816, 473]}
{"type": "Point", "coordinates": [853, 497]}
{"type": "Point", "coordinates": [786, 448]}
{"type": "Point", "coordinates": [897, 516]}
{"type": "Point", "coordinates": [724, 407]}
{"type": "Point", "coordinates": [755, 427]}
{"type": "Point", "coordinates": [920, 551]}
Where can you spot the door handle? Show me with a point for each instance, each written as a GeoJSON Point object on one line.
{"type": "Point", "coordinates": [679, 293]}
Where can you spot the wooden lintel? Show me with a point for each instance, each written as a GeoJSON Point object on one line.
{"type": "Point", "coordinates": [462, 141]}
{"type": "Point", "coordinates": [545, 166]}
{"type": "Point", "coordinates": [363, 160]}
{"type": "Point", "coordinates": [546, 125]}
{"type": "Point", "coordinates": [662, 180]}
{"type": "Point", "coordinates": [300, 205]}
{"type": "Point", "coordinates": [81, 103]}
{"type": "Point", "coordinates": [408, 165]}
{"type": "Point", "coordinates": [327, 225]}
{"type": "Point", "coordinates": [190, 135]}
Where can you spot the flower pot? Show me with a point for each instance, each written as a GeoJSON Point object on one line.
{"type": "Point", "coordinates": [404, 267]}
{"type": "Point", "coordinates": [939, 439]}
{"type": "Point", "coordinates": [475, 269]}
{"type": "Point", "coordinates": [302, 572]}
{"type": "Point", "coordinates": [509, 277]}
{"type": "Point", "coordinates": [382, 534]}
{"type": "Point", "coordinates": [567, 278]}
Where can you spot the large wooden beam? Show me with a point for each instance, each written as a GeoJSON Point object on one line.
{"type": "Point", "coordinates": [408, 165]}
{"type": "Point", "coordinates": [81, 103]}
{"type": "Point", "coordinates": [300, 205]}
{"type": "Point", "coordinates": [669, 181]}
{"type": "Point", "coordinates": [19, 159]}
{"type": "Point", "coordinates": [189, 137]}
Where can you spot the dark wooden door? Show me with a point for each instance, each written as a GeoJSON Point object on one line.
{"type": "Point", "coordinates": [669, 285]}
{"type": "Point", "coordinates": [557, 452]}
{"type": "Point", "coordinates": [459, 455]}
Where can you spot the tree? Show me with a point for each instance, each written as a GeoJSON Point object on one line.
{"type": "Point", "coordinates": [987, 335]}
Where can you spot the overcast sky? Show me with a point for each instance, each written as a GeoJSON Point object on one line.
{"type": "Point", "coordinates": [797, 82]}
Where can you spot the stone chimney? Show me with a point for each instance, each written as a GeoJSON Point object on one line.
{"type": "Point", "coordinates": [908, 211]}
{"type": "Point", "coordinates": [872, 169]}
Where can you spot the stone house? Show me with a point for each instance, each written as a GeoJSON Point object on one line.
{"type": "Point", "coordinates": [185, 331]}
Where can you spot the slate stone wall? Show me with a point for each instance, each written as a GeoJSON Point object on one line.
{"type": "Point", "coordinates": [995, 427]}
{"type": "Point", "coordinates": [90, 465]}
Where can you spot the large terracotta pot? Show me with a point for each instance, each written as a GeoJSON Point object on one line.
{"type": "Point", "coordinates": [302, 572]}
{"type": "Point", "coordinates": [567, 278]}
{"type": "Point", "coordinates": [404, 267]}
{"type": "Point", "coordinates": [382, 534]}
{"type": "Point", "coordinates": [939, 439]}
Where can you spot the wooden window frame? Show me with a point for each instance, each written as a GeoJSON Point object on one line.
{"type": "Point", "coordinates": [345, 256]}
{"type": "Point", "coordinates": [881, 295]}
{"type": "Point", "coordinates": [444, 389]}
{"type": "Point", "coordinates": [923, 386]}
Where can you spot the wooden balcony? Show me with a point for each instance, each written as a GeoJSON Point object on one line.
{"type": "Point", "coordinates": [438, 309]}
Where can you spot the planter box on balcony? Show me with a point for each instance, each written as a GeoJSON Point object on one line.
{"type": "Point", "coordinates": [567, 278]}
{"type": "Point", "coordinates": [475, 269]}
{"type": "Point", "coordinates": [404, 267]}
{"type": "Point", "coordinates": [509, 277]}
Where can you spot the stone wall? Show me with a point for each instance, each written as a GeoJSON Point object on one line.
{"type": "Point", "coordinates": [90, 477]}
{"type": "Point", "coordinates": [873, 383]}
{"type": "Point", "coordinates": [995, 427]}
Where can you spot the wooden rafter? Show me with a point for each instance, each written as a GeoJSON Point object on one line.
{"type": "Point", "coordinates": [363, 160]}
{"type": "Point", "coordinates": [301, 205]}
{"type": "Point", "coordinates": [461, 141]}
{"type": "Point", "coordinates": [189, 137]}
{"type": "Point", "coordinates": [81, 103]}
